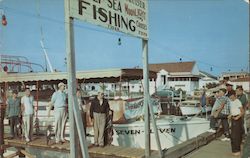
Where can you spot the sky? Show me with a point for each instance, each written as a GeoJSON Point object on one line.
{"type": "Point", "coordinates": [214, 33]}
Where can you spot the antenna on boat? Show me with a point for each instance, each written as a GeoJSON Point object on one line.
{"type": "Point", "coordinates": [47, 61]}
{"type": "Point", "coordinates": [46, 56]}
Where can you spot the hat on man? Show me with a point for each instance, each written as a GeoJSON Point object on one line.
{"type": "Point", "coordinates": [15, 92]}
{"type": "Point", "coordinates": [61, 84]}
{"type": "Point", "coordinates": [229, 83]}
{"type": "Point", "coordinates": [239, 87]}
{"type": "Point", "coordinates": [223, 90]}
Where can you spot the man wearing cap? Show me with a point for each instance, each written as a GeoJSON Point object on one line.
{"type": "Point", "coordinates": [98, 111]}
{"type": "Point", "coordinates": [58, 99]}
{"type": "Point", "coordinates": [241, 96]}
{"type": "Point", "coordinates": [229, 87]}
{"type": "Point", "coordinates": [13, 111]}
{"type": "Point", "coordinates": [27, 109]}
{"type": "Point", "coordinates": [220, 104]}
{"type": "Point", "coordinates": [225, 111]}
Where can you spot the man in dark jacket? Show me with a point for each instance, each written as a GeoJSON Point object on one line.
{"type": "Point", "coordinates": [13, 112]}
{"type": "Point", "coordinates": [98, 113]}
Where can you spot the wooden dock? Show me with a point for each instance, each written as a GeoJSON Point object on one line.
{"type": "Point", "coordinates": [220, 149]}
{"type": "Point", "coordinates": [191, 145]}
{"type": "Point", "coordinates": [115, 151]}
{"type": "Point", "coordinates": [246, 147]}
{"type": "Point", "coordinates": [95, 152]}
{"type": "Point", "coordinates": [215, 149]}
{"type": "Point", "coordinates": [205, 145]}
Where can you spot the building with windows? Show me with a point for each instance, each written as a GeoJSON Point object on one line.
{"type": "Point", "coordinates": [244, 82]}
{"type": "Point", "coordinates": [178, 75]}
{"type": "Point", "coordinates": [229, 76]}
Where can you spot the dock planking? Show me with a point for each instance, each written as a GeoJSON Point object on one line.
{"type": "Point", "coordinates": [39, 142]}
{"type": "Point", "coordinates": [215, 149]}
{"type": "Point", "coordinates": [246, 147]}
{"type": "Point", "coordinates": [118, 151]}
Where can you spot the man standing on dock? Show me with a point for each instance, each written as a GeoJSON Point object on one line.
{"type": "Point", "coordinates": [236, 114]}
{"type": "Point", "coordinates": [59, 101]}
{"type": "Point", "coordinates": [220, 111]}
{"type": "Point", "coordinates": [225, 112]}
{"type": "Point", "coordinates": [27, 111]}
{"type": "Point", "coordinates": [98, 111]}
{"type": "Point", "coordinates": [243, 99]}
{"type": "Point", "coordinates": [203, 101]}
{"type": "Point", "coordinates": [13, 112]}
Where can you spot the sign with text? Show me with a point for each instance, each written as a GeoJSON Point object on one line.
{"type": "Point", "coordinates": [128, 16]}
{"type": "Point", "coordinates": [135, 109]}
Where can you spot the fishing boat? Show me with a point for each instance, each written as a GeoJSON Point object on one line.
{"type": "Point", "coordinates": [129, 125]}
{"type": "Point", "coordinates": [128, 128]}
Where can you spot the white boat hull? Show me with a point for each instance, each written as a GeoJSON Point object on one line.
{"type": "Point", "coordinates": [172, 131]}
{"type": "Point", "coordinates": [189, 110]}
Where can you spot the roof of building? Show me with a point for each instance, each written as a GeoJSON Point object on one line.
{"type": "Point", "coordinates": [243, 79]}
{"type": "Point", "coordinates": [173, 67]}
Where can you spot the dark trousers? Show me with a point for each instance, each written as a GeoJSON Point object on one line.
{"type": "Point", "coordinates": [14, 120]}
{"type": "Point", "coordinates": [213, 122]}
{"type": "Point", "coordinates": [236, 134]}
{"type": "Point", "coordinates": [224, 122]}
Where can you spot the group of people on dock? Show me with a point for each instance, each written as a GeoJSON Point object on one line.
{"type": "Point", "coordinates": [16, 109]}
{"type": "Point", "coordinates": [20, 112]}
{"type": "Point", "coordinates": [230, 106]}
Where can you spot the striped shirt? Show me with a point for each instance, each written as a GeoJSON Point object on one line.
{"type": "Point", "coordinates": [226, 109]}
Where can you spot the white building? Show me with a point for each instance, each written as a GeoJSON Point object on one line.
{"type": "Point", "coordinates": [244, 82]}
{"type": "Point", "coordinates": [179, 75]}
{"type": "Point", "coordinates": [184, 75]}
{"type": "Point", "coordinates": [229, 76]}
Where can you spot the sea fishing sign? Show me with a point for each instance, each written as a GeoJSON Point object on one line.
{"type": "Point", "coordinates": [128, 16]}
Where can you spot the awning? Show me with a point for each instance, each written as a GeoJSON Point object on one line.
{"type": "Point", "coordinates": [105, 76]}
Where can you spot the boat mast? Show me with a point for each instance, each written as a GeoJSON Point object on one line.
{"type": "Point", "coordinates": [47, 61]}
{"type": "Point", "coordinates": [46, 56]}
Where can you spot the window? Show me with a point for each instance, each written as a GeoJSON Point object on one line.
{"type": "Point", "coordinates": [163, 79]}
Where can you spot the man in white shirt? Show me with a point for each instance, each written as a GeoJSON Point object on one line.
{"type": "Point", "coordinates": [59, 101]}
{"type": "Point", "coordinates": [236, 113]}
{"type": "Point", "coordinates": [27, 112]}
